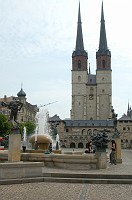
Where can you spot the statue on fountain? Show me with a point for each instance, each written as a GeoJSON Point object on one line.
{"type": "Point", "coordinates": [100, 140]}
{"type": "Point", "coordinates": [14, 106]}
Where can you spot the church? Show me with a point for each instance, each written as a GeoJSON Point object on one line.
{"type": "Point", "coordinates": [91, 93]}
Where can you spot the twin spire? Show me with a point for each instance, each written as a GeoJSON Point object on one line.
{"type": "Point", "coordinates": [79, 39]}
{"type": "Point", "coordinates": [79, 50]}
{"type": "Point", "coordinates": [103, 49]}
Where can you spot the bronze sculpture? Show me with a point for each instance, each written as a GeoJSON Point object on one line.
{"type": "Point", "coordinates": [14, 106]}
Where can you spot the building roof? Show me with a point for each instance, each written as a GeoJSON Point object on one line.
{"type": "Point", "coordinates": [103, 49]}
{"type": "Point", "coordinates": [55, 118]}
{"type": "Point", "coordinates": [125, 118]}
{"type": "Point", "coordinates": [91, 79]}
{"type": "Point", "coordinates": [21, 93]}
{"type": "Point", "coordinates": [89, 123]}
{"type": "Point", "coordinates": [79, 50]}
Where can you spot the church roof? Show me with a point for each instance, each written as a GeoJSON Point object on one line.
{"type": "Point", "coordinates": [79, 50]}
{"type": "Point", "coordinates": [103, 49]}
{"type": "Point", "coordinates": [91, 79]}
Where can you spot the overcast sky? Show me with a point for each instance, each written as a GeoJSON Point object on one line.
{"type": "Point", "coordinates": [37, 38]}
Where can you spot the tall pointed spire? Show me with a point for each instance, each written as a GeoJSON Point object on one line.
{"type": "Point", "coordinates": [79, 39]}
{"type": "Point", "coordinates": [103, 49]}
{"type": "Point", "coordinates": [79, 49]}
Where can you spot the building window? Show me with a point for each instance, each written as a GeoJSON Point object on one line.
{"type": "Point", "coordinates": [103, 63]}
{"type": "Point", "coordinates": [67, 130]}
{"type": "Point", "coordinates": [79, 63]}
{"type": "Point", "coordinates": [91, 97]}
{"type": "Point", "coordinates": [124, 128]}
{"type": "Point", "coordinates": [72, 145]}
{"type": "Point", "coordinates": [80, 145]}
{"type": "Point", "coordinates": [83, 132]}
{"type": "Point", "coordinates": [89, 132]}
{"type": "Point", "coordinates": [128, 128]}
{"type": "Point", "coordinates": [79, 78]}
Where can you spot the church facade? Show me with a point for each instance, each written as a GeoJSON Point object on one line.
{"type": "Point", "coordinates": [91, 93]}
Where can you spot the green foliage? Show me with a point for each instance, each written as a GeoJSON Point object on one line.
{"type": "Point", "coordinates": [21, 126]}
{"type": "Point", "coordinates": [5, 126]}
{"type": "Point", "coordinates": [30, 127]}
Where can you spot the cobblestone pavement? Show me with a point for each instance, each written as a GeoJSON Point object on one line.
{"type": "Point", "coordinates": [70, 191]}
{"type": "Point", "coordinates": [65, 191]}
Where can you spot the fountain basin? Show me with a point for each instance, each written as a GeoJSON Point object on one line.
{"type": "Point", "coordinates": [65, 161]}
{"type": "Point", "coordinates": [43, 141]}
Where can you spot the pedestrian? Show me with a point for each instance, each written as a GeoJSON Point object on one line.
{"type": "Point", "coordinates": [36, 145]}
{"type": "Point", "coordinates": [90, 147]}
{"type": "Point", "coordinates": [113, 152]}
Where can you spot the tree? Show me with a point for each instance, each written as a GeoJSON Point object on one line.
{"type": "Point", "coordinates": [5, 126]}
{"type": "Point", "coordinates": [30, 127]}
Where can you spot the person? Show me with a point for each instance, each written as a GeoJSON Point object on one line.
{"type": "Point", "coordinates": [113, 153]}
{"type": "Point", "coordinates": [15, 106]}
{"type": "Point", "coordinates": [89, 147]}
{"type": "Point", "coordinates": [36, 145]}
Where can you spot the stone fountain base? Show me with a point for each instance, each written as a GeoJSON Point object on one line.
{"type": "Point", "coordinates": [21, 170]}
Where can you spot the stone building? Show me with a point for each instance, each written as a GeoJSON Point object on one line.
{"type": "Point", "coordinates": [125, 129]}
{"type": "Point", "coordinates": [77, 133]}
{"type": "Point", "coordinates": [91, 93]}
{"type": "Point", "coordinates": [28, 111]}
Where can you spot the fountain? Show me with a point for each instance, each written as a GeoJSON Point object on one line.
{"type": "Point", "coordinates": [24, 146]}
{"type": "Point", "coordinates": [41, 139]}
{"type": "Point", "coordinates": [56, 158]}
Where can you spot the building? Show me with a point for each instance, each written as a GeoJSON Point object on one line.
{"type": "Point", "coordinates": [125, 129]}
{"type": "Point", "coordinates": [28, 111]}
{"type": "Point", "coordinates": [91, 93]}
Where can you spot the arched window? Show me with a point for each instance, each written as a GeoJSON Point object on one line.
{"type": "Point", "coordinates": [89, 132]}
{"type": "Point", "coordinates": [79, 63]}
{"type": "Point", "coordinates": [83, 132]}
{"type": "Point", "coordinates": [80, 145]}
{"type": "Point", "coordinates": [79, 78]}
{"type": "Point", "coordinates": [103, 63]}
{"type": "Point", "coordinates": [72, 145]}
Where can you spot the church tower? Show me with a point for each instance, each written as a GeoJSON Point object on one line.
{"type": "Point", "coordinates": [91, 93]}
{"type": "Point", "coordinates": [79, 75]}
{"type": "Point", "coordinates": [103, 75]}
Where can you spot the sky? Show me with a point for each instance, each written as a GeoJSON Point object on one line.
{"type": "Point", "coordinates": [37, 38]}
